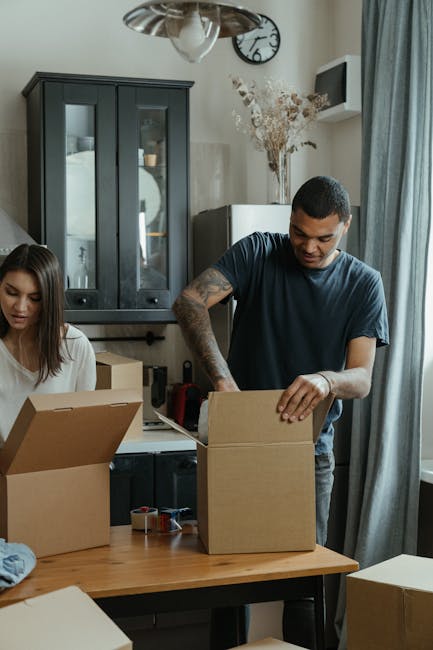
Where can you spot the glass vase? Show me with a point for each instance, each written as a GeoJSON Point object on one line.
{"type": "Point", "coordinates": [279, 179]}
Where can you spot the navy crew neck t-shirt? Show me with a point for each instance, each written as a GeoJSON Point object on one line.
{"type": "Point", "coordinates": [290, 320]}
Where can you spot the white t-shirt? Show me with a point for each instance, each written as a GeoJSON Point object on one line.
{"type": "Point", "coordinates": [77, 372]}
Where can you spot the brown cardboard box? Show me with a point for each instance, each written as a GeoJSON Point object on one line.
{"type": "Point", "coordinates": [66, 619]}
{"type": "Point", "coordinates": [390, 605]}
{"type": "Point", "coordinates": [270, 644]}
{"type": "Point", "coordinates": [255, 476]}
{"type": "Point", "coordinates": [116, 371]}
{"type": "Point", "coordinates": [54, 473]}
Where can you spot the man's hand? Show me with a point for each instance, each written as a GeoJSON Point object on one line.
{"type": "Point", "coordinates": [302, 397]}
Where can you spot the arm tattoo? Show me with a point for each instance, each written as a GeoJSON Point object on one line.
{"type": "Point", "coordinates": [191, 309]}
{"type": "Point", "coordinates": [210, 284]}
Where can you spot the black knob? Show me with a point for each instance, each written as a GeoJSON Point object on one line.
{"type": "Point", "coordinates": [82, 300]}
{"type": "Point", "coordinates": [153, 301]}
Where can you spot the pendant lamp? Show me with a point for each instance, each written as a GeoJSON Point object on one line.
{"type": "Point", "coordinates": [192, 27]}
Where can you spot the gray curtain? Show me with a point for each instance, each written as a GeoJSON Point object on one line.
{"type": "Point", "coordinates": [393, 238]}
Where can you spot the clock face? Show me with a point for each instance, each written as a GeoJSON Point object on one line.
{"type": "Point", "coordinates": [259, 45]}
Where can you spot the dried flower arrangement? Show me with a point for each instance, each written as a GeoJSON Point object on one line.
{"type": "Point", "coordinates": [278, 119]}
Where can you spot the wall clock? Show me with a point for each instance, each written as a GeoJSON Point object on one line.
{"type": "Point", "coordinates": [261, 44]}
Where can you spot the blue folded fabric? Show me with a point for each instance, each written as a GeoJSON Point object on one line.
{"type": "Point", "coordinates": [16, 562]}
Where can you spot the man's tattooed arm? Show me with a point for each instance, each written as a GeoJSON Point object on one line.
{"type": "Point", "coordinates": [192, 312]}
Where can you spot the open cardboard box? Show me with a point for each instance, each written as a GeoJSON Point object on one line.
{"type": "Point", "coordinates": [116, 371]}
{"type": "Point", "coordinates": [255, 475]}
{"type": "Point", "coordinates": [67, 619]}
{"type": "Point", "coordinates": [390, 605]}
{"type": "Point", "coordinates": [54, 469]}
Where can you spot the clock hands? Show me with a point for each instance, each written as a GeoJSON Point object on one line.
{"type": "Point", "coordinates": [257, 38]}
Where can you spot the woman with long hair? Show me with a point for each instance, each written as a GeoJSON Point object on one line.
{"type": "Point", "coordinates": [39, 353]}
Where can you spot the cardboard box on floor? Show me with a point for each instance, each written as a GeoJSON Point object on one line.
{"type": "Point", "coordinates": [255, 476]}
{"type": "Point", "coordinates": [269, 644]}
{"type": "Point", "coordinates": [68, 619]}
{"type": "Point", "coordinates": [116, 371]}
{"type": "Point", "coordinates": [390, 605]}
{"type": "Point", "coordinates": [54, 473]}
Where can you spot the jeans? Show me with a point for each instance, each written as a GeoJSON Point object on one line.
{"type": "Point", "coordinates": [298, 616]}
{"type": "Point", "coordinates": [324, 470]}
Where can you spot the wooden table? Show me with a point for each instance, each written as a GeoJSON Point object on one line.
{"type": "Point", "coordinates": [161, 573]}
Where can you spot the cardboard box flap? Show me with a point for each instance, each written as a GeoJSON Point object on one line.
{"type": "Point", "coordinates": [405, 571]}
{"type": "Point", "coordinates": [193, 435]}
{"type": "Point", "coordinates": [68, 430]}
{"type": "Point", "coordinates": [50, 621]}
{"type": "Point", "coordinates": [228, 424]}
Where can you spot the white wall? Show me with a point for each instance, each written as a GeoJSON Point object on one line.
{"type": "Point", "coordinates": [90, 38]}
{"type": "Point", "coordinates": [85, 37]}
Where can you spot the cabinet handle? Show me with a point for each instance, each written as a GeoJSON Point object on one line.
{"type": "Point", "coordinates": [82, 301]}
{"type": "Point", "coordinates": [153, 301]}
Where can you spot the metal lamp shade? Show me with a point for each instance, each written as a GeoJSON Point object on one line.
{"type": "Point", "coordinates": [150, 17]}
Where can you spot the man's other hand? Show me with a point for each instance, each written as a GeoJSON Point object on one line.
{"type": "Point", "coordinates": [302, 397]}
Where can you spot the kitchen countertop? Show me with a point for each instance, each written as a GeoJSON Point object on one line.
{"type": "Point", "coordinates": [156, 440]}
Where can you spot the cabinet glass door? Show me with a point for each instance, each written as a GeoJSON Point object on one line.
{"type": "Point", "coordinates": [152, 199]}
{"type": "Point", "coordinates": [81, 206]}
{"type": "Point", "coordinates": [153, 196]}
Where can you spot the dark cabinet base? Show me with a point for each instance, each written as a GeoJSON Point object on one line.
{"type": "Point", "coordinates": [166, 631]}
{"type": "Point", "coordinates": [131, 485]}
{"type": "Point", "coordinates": [176, 481]}
{"type": "Point", "coordinates": [164, 480]}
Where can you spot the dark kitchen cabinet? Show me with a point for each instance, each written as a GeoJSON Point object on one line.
{"type": "Point", "coordinates": [164, 480]}
{"type": "Point", "coordinates": [131, 485]}
{"type": "Point", "coordinates": [176, 480]}
{"type": "Point", "coordinates": [108, 162]}
{"type": "Point", "coordinates": [161, 630]}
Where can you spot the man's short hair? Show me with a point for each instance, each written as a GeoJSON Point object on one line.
{"type": "Point", "coordinates": [321, 196]}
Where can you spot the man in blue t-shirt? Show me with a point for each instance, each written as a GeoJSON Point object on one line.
{"type": "Point", "coordinates": [308, 318]}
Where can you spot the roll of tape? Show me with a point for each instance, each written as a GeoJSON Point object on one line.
{"type": "Point", "coordinates": [144, 518]}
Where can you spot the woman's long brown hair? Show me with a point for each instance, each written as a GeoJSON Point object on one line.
{"type": "Point", "coordinates": [45, 267]}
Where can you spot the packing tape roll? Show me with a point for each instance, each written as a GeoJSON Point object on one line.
{"type": "Point", "coordinates": [144, 518]}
